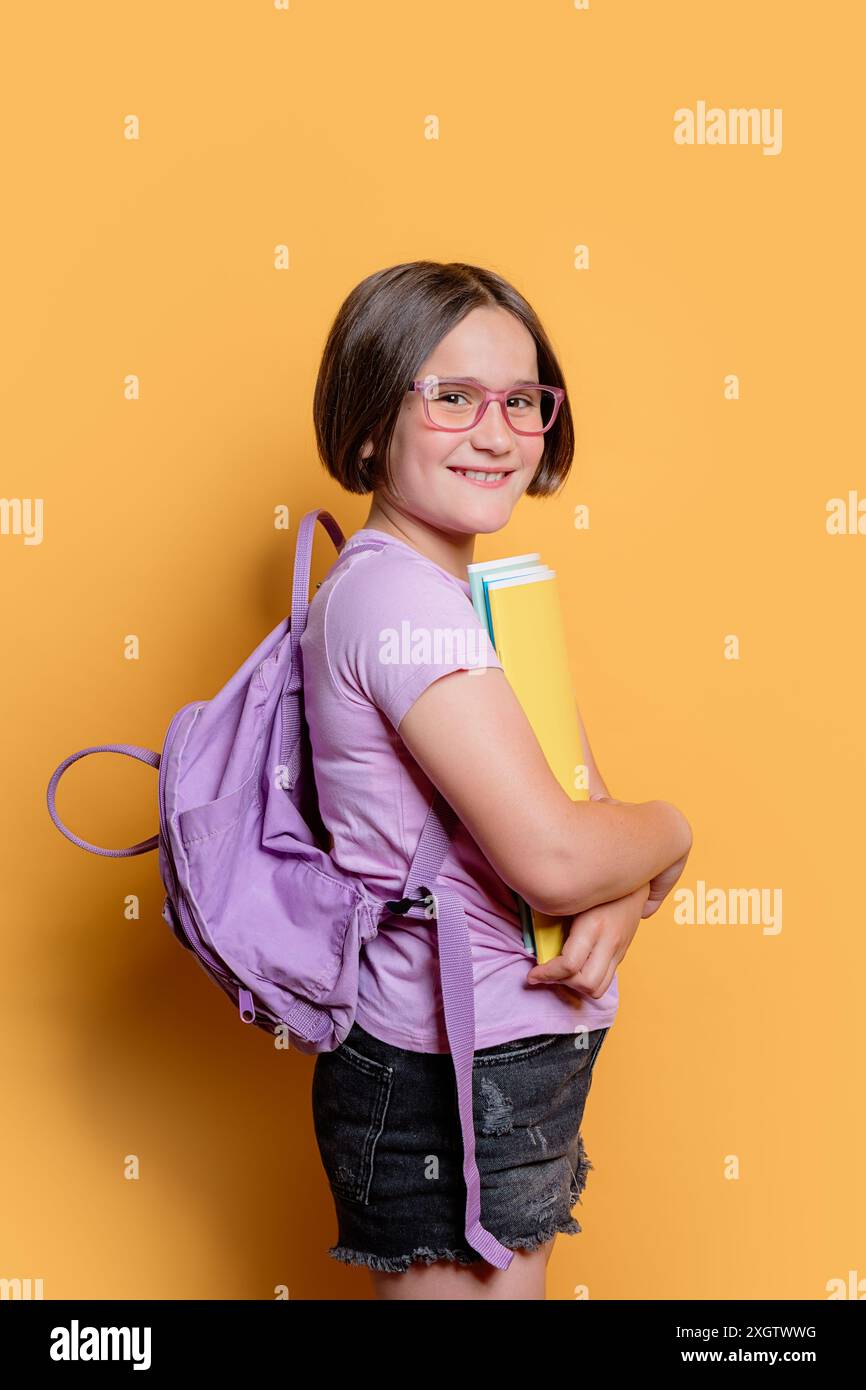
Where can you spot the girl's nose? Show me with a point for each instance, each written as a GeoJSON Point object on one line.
{"type": "Point", "coordinates": [494, 424]}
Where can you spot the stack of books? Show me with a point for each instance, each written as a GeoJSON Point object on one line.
{"type": "Point", "coordinates": [518, 600]}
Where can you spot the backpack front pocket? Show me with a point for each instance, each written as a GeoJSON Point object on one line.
{"type": "Point", "coordinates": [274, 918]}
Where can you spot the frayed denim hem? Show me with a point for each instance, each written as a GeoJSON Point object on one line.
{"type": "Point", "coordinates": [399, 1264]}
{"type": "Point", "coordinates": [578, 1179]}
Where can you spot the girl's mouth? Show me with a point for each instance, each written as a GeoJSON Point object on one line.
{"type": "Point", "coordinates": [487, 479]}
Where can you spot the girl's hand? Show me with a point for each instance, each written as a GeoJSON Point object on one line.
{"type": "Point", "coordinates": [596, 942]}
{"type": "Point", "coordinates": [662, 884]}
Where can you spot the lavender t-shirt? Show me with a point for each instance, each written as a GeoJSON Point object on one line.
{"type": "Point", "coordinates": [376, 637]}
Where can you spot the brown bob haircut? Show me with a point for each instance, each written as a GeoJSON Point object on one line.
{"type": "Point", "coordinates": [384, 330]}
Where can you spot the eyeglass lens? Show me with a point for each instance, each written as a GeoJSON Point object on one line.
{"type": "Point", "coordinates": [456, 405]}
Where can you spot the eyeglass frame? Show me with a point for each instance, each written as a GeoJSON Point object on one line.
{"type": "Point", "coordinates": [500, 396]}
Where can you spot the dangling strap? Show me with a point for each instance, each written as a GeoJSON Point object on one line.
{"type": "Point", "coordinates": [422, 897]}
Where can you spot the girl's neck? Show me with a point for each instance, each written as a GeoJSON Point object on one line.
{"type": "Point", "coordinates": [453, 551]}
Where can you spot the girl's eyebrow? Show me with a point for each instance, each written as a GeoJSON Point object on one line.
{"type": "Point", "coordinates": [466, 376]}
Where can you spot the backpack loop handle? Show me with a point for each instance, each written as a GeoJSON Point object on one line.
{"type": "Point", "coordinates": [144, 755]}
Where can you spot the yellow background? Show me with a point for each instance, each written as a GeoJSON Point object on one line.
{"type": "Point", "coordinates": [306, 127]}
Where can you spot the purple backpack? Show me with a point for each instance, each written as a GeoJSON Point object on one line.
{"type": "Point", "coordinates": [251, 888]}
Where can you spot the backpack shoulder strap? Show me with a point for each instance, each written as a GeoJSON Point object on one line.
{"type": "Point", "coordinates": [432, 845]}
{"type": "Point", "coordinates": [301, 574]}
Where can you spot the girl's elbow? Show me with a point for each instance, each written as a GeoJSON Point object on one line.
{"type": "Point", "coordinates": [555, 890]}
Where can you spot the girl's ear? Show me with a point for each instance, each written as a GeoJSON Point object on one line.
{"type": "Point", "coordinates": [366, 463]}
{"type": "Point", "coordinates": [365, 469]}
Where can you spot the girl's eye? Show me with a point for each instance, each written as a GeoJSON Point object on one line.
{"type": "Point", "coordinates": [519, 402]}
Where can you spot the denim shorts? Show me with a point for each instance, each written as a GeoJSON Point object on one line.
{"type": "Point", "coordinates": [388, 1132]}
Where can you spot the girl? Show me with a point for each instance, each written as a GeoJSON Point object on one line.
{"type": "Point", "coordinates": [398, 705]}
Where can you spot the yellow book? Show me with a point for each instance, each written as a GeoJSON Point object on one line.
{"type": "Point", "coordinates": [530, 641]}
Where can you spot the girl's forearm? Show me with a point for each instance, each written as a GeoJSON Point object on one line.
{"type": "Point", "coordinates": [611, 849]}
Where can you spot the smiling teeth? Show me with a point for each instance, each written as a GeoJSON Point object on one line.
{"type": "Point", "coordinates": [479, 477]}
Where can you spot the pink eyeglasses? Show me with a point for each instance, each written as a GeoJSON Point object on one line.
{"type": "Point", "coordinates": [458, 403]}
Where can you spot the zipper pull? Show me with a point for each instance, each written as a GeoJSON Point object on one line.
{"type": "Point", "coordinates": [246, 1006]}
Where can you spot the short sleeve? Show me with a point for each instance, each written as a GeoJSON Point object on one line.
{"type": "Point", "coordinates": [394, 623]}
